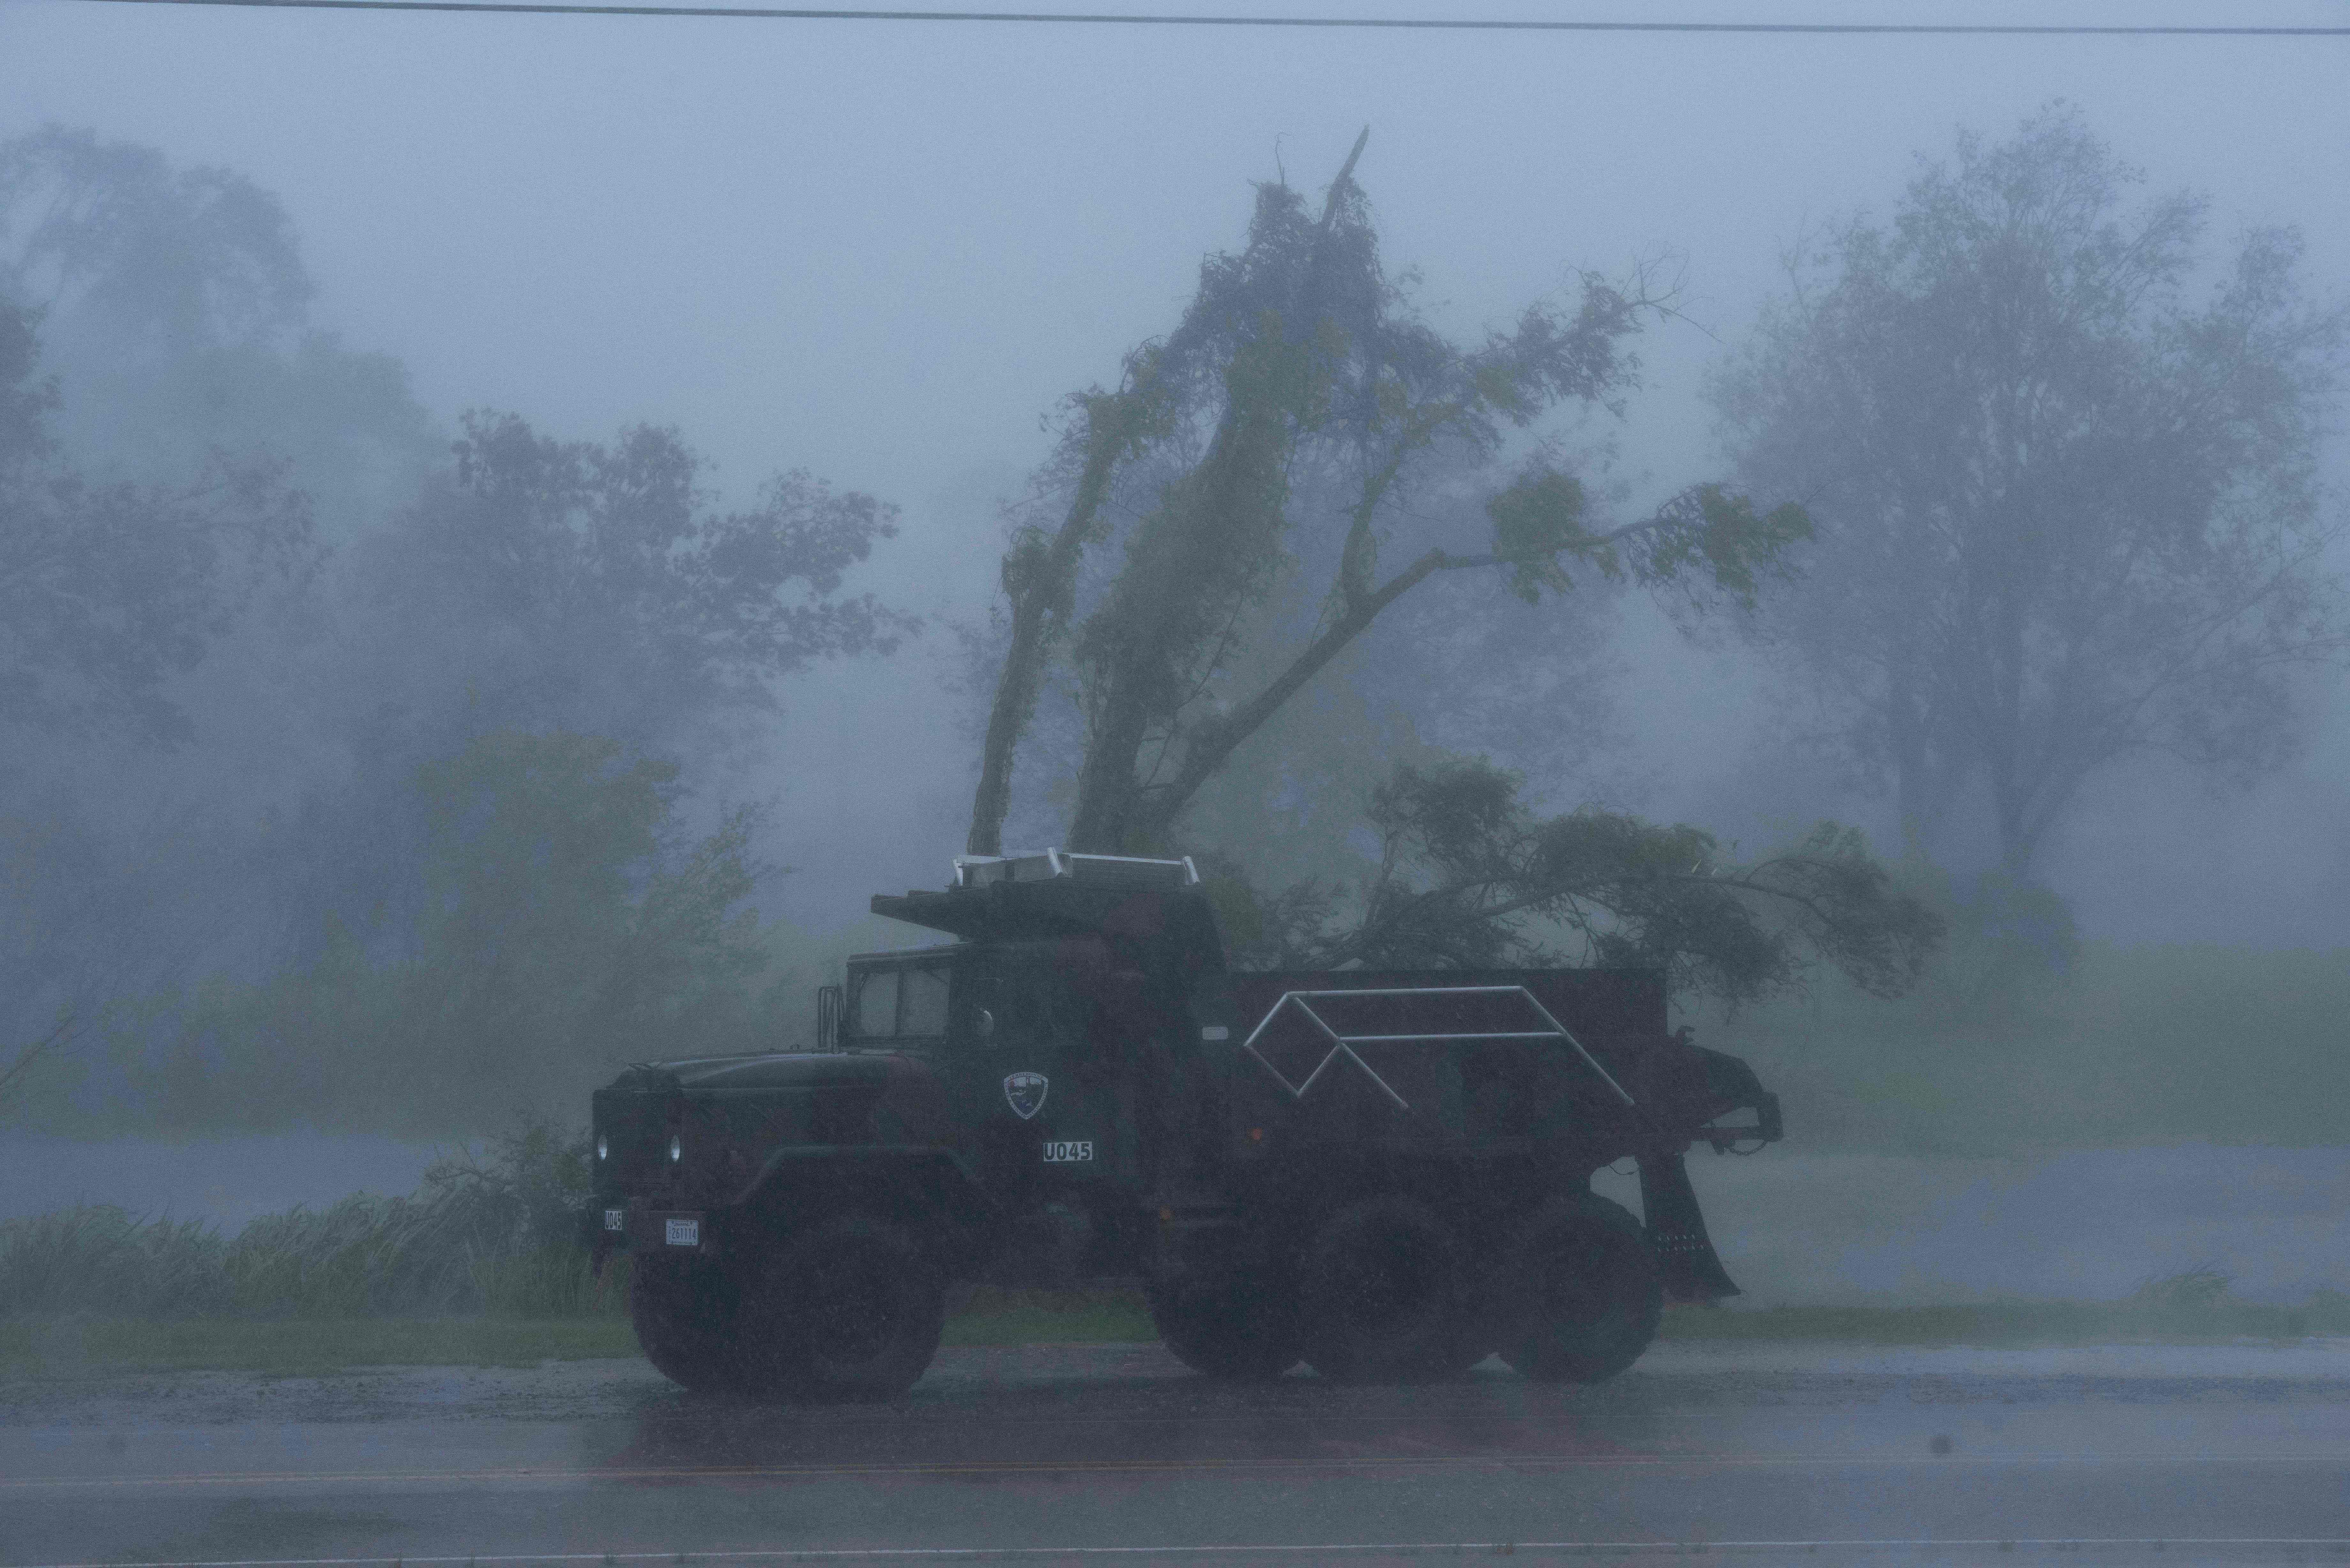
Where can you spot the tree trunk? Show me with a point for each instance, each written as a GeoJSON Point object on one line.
{"type": "Point", "coordinates": [1042, 595]}
{"type": "Point", "coordinates": [1015, 704]}
{"type": "Point", "coordinates": [1229, 511]}
{"type": "Point", "coordinates": [1221, 517]}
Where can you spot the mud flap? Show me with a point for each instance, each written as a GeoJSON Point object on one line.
{"type": "Point", "coordinates": [1692, 1270]}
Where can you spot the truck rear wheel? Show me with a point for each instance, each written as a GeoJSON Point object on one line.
{"type": "Point", "coordinates": [1586, 1290]}
{"type": "Point", "coordinates": [849, 1309]}
{"type": "Point", "coordinates": [1239, 1330]}
{"type": "Point", "coordinates": [684, 1317]}
{"type": "Point", "coordinates": [1380, 1294]}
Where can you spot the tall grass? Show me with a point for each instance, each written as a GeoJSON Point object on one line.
{"type": "Point", "coordinates": [481, 1235]}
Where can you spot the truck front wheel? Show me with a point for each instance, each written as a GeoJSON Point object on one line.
{"type": "Point", "coordinates": [848, 1309]}
{"type": "Point", "coordinates": [1584, 1290]}
{"type": "Point", "coordinates": [1237, 1329]}
{"type": "Point", "coordinates": [683, 1313]}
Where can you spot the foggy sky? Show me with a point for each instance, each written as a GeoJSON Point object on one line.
{"type": "Point", "coordinates": [883, 252]}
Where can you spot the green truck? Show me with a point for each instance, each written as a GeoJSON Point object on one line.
{"type": "Point", "coordinates": [1386, 1176]}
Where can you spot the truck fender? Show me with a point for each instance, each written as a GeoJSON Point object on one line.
{"type": "Point", "coordinates": [1732, 1086]}
{"type": "Point", "coordinates": [921, 1185]}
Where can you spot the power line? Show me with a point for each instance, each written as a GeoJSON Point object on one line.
{"type": "Point", "coordinates": [1392, 24]}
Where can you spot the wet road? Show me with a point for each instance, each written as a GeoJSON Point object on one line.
{"type": "Point", "coordinates": [2176, 1455]}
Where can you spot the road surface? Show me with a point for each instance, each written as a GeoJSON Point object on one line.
{"type": "Point", "coordinates": [1116, 1454]}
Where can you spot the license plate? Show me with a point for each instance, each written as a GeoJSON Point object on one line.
{"type": "Point", "coordinates": [616, 1218]}
{"type": "Point", "coordinates": [685, 1232]}
{"type": "Point", "coordinates": [1065, 1153]}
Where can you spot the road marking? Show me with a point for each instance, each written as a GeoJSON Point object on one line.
{"type": "Point", "coordinates": [1050, 1467]}
{"type": "Point", "coordinates": [2065, 1543]}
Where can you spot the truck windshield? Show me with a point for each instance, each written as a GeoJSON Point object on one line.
{"type": "Point", "coordinates": [886, 1004]}
{"type": "Point", "coordinates": [875, 1008]}
{"type": "Point", "coordinates": [922, 1000]}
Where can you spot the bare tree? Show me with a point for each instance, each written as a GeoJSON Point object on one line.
{"type": "Point", "coordinates": [2066, 515]}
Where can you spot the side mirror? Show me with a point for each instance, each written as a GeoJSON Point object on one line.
{"type": "Point", "coordinates": [982, 1023]}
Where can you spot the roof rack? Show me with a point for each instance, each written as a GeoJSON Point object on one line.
{"type": "Point", "coordinates": [1056, 865]}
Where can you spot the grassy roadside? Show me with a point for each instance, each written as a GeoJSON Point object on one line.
{"type": "Point", "coordinates": [39, 1348]}
{"type": "Point", "coordinates": [291, 1347]}
{"type": "Point", "coordinates": [2015, 1324]}
{"type": "Point", "coordinates": [33, 1347]}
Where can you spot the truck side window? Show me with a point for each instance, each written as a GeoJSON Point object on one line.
{"type": "Point", "coordinates": [875, 1006]}
{"type": "Point", "coordinates": [923, 1010]}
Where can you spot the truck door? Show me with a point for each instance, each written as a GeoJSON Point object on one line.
{"type": "Point", "coordinates": [1050, 1097]}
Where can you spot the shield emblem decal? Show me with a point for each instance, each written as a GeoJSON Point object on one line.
{"type": "Point", "coordinates": [1026, 1093]}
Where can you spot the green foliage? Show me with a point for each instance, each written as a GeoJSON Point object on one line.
{"type": "Point", "coordinates": [557, 941]}
{"type": "Point", "coordinates": [1538, 528]}
{"type": "Point", "coordinates": [1723, 528]}
{"type": "Point", "coordinates": [1470, 877]}
{"type": "Point", "coordinates": [1535, 521]}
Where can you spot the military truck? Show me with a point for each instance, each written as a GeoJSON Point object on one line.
{"type": "Point", "coordinates": [1384, 1175]}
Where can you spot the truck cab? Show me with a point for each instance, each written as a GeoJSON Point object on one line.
{"type": "Point", "coordinates": [1028, 1046]}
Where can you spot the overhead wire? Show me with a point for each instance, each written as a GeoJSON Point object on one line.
{"type": "Point", "coordinates": [1392, 24]}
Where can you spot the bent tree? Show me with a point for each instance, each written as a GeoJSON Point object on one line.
{"type": "Point", "coordinates": [1298, 359]}
{"type": "Point", "coordinates": [1301, 419]}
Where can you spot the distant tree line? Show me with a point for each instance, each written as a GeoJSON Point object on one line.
{"type": "Point", "coordinates": [341, 777]}
{"type": "Point", "coordinates": [342, 755]}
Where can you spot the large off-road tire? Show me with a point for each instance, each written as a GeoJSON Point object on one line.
{"type": "Point", "coordinates": [1474, 1338]}
{"type": "Point", "coordinates": [850, 1308]}
{"type": "Point", "coordinates": [684, 1315]}
{"type": "Point", "coordinates": [1380, 1294]}
{"type": "Point", "coordinates": [1241, 1329]}
{"type": "Point", "coordinates": [1586, 1290]}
